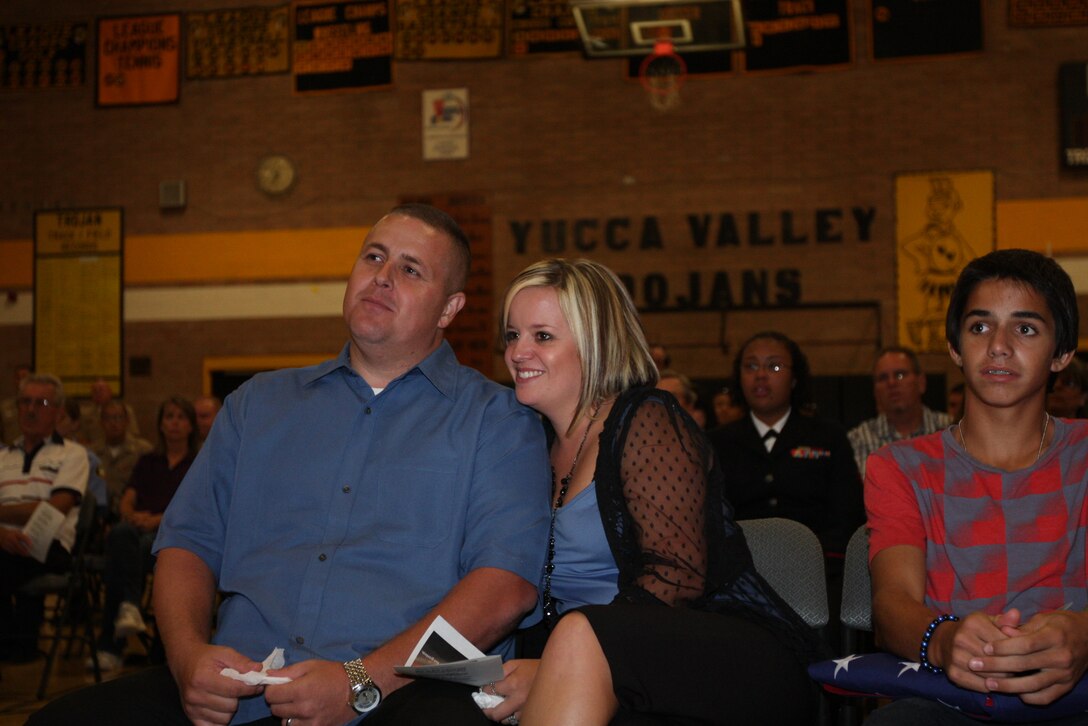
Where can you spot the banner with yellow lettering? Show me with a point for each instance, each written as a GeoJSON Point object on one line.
{"type": "Point", "coordinates": [139, 59]}
{"type": "Point", "coordinates": [944, 220]}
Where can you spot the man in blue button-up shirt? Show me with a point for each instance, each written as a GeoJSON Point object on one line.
{"type": "Point", "coordinates": [342, 507]}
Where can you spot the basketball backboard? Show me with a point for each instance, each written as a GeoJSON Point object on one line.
{"type": "Point", "coordinates": [612, 28]}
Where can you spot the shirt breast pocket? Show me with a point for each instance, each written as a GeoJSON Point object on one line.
{"type": "Point", "coordinates": [418, 505]}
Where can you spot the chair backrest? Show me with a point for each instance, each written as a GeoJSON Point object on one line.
{"type": "Point", "coordinates": [789, 557]}
{"type": "Point", "coordinates": [857, 593]}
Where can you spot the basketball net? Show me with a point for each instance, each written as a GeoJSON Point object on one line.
{"type": "Point", "coordinates": [662, 73]}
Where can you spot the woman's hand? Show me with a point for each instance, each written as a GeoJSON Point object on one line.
{"type": "Point", "coordinates": [517, 679]}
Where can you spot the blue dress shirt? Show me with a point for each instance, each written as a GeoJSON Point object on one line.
{"type": "Point", "coordinates": [334, 519]}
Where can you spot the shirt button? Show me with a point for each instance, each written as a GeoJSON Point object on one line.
{"type": "Point", "coordinates": [346, 489]}
{"type": "Point", "coordinates": [768, 478]}
{"type": "Point", "coordinates": [300, 640]}
{"type": "Point", "coordinates": [368, 409]}
{"type": "Point", "coordinates": [773, 501]}
{"type": "Point", "coordinates": [322, 557]}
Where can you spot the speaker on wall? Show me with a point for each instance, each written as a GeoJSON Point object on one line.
{"type": "Point", "coordinates": [172, 194]}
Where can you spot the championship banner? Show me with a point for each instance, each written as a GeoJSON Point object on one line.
{"type": "Point", "coordinates": [342, 46]}
{"type": "Point", "coordinates": [43, 55]}
{"type": "Point", "coordinates": [1073, 107]}
{"type": "Point", "coordinates": [237, 42]}
{"type": "Point", "coordinates": [943, 221]}
{"type": "Point", "coordinates": [542, 26]}
{"type": "Point", "coordinates": [907, 28]}
{"type": "Point", "coordinates": [139, 60]}
{"type": "Point", "coordinates": [815, 33]}
{"type": "Point", "coordinates": [78, 256]}
{"type": "Point", "coordinates": [1047, 13]}
{"type": "Point", "coordinates": [449, 29]}
{"type": "Point", "coordinates": [472, 334]}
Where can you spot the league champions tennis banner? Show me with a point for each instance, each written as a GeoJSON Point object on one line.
{"type": "Point", "coordinates": [449, 29]}
{"type": "Point", "coordinates": [139, 60]}
{"type": "Point", "coordinates": [237, 42]}
{"type": "Point", "coordinates": [341, 46]}
{"type": "Point", "coordinates": [43, 55]}
{"type": "Point", "coordinates": [943, 221]}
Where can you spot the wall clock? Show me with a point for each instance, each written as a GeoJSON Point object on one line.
{"type": "Point", "coordinates": [275, 174]}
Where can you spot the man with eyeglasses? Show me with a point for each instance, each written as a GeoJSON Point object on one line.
{"type": "Point", "coordinates": [40, 468]}
{"type": "Point", "coordinates": [898, 386]}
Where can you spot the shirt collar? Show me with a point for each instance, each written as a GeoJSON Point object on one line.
{"type": "Point", "coordinates": [762, 428]}
{"type": "Point", "coordinates": [440, 368]}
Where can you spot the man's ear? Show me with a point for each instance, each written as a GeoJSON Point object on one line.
{"type": "Point", "coordinates": [454, 303]}
{"type": "Point", "coordinates": [956, 357]}
{"type": "Point", "coordinates": [1061, 361]}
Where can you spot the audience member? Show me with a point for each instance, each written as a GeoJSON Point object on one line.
{"type": "Point", "coordinates": [40, 468]}
{"type": "Point", "coordinates": [955, 403]}
{"type": "Point", "coordinates": [206, 409]}
{"type": "Point", "coordinates": [646, 566]}
{"type": "Point", "coordinates": [726, 408]}
{"type": "Point", "coordinates": [118, 449]}
{"type": "Point", "coordinates": [779, 462]}
{"type": "Point", "coordinates": [660, 356]}
{"type": "Point", "coordinates": [1070, 392]}
{"type": "Point", "coordinates": [977, 545]}
{"type": "Point", "coordinates": [68, 427]}
{"type": "Point", "coordinates": [342, 507]}
{"type": "Point", "coordinates": [9, 411]}
{"type": "Point", "coordinates": [155, 479]}
{"type": "Point", "coordinates": [898, 386]}
{"type": "Point", "coordinates": [91, 420]}
{"type": "Point", "coordinates": [681, 387]}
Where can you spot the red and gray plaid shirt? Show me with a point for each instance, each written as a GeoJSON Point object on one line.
{"type": "Point", "coordinates": [992, 539]}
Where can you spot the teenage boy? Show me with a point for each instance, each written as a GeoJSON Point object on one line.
{"type": "Point", "coordinates": [977, 544]}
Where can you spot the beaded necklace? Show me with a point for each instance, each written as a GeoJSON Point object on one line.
{"type": "Point", "coordinates": [550, 612]}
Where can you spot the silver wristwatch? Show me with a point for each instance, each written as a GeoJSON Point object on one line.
{"type": "Point", "coordinates": [365, 694]}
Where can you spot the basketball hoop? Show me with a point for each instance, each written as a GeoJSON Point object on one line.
{"type": "Point", "coordinates": [662, 73]}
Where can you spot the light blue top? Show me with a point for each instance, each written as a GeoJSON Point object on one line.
{"type": "Point", "coordinates": [333, 518]}
{"type": "Point", "coordinates": [585, 571]}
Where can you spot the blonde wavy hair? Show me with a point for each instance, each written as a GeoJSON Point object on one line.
{"type": "Point", "coordinates": [602, 317]}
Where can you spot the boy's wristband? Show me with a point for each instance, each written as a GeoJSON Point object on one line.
{"type": "Point", "coordinates": [923, 649]}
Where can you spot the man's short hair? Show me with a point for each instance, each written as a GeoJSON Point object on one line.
{"type": "Point", "coordinates": [47, 379]}
{"type": "Point", "coordinates": [437, 219]}
{"type": "Point", "coordinates": [1032, 269]}
{"type": "Point", "coordinates": [114, 403]}
{"type": "Point", "coordinates": [690, 396]}
{"type": "Point", "coordinates": [915, 364]}
{"type": "Point", "coordinates": [800, 395]}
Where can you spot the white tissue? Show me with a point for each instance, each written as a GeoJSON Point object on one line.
{"type": "Point", "coordinates": [258, 678]}
{"type": "Point", "coordinates": [486, 700]}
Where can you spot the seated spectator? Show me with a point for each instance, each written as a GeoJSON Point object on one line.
{"type": "Point", "coordinates": [898, 386]}
{"type": "Point", "coordinates": [39, 468]}
{"type": "Point", "coordinates": [648, 585]}
{"type": "Point", "coordinates": [955, 403]}
{"type": "Point", "coordinates": [206, 407]}
{"type": "Point", "coordinates": [1070, 392]}
{"type": "Point", "coordinates": [155, 478]}
{"type": "Point", "coordinates": [977, 546]}
{"type": "Point", "coordinates": [119, 450]}
{"type": "Point", "coordinates": [779, 462]}
{"type": "Point", "coordinates": [681, 387]}
{"type": "Point", "coordinates": [726, 408]}
{"type": "Point", "coordinates": [68, 427]}
{"type": "Point", "coordinates": [91, 421]}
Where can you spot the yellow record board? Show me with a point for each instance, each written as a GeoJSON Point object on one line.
{"type": "Point", "coordinates": [78, 256]}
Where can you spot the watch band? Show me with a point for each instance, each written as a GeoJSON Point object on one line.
{"type": "Point", "coordinates": [359, 680]}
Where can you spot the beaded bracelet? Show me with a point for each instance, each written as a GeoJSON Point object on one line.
{"type": "Point", "coordinates": [923, 649]}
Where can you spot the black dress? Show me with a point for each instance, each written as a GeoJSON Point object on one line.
{"type": "Point", "coordinates": [694, 634]}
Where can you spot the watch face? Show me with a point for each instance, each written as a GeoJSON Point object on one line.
{"type": "Point", "coordinates": [275, 174]}
{"type": "Point", "coordinates": [366, 698]}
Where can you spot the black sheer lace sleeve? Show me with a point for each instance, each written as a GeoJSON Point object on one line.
{"type": "Point", "coordinates": [664, 488]}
